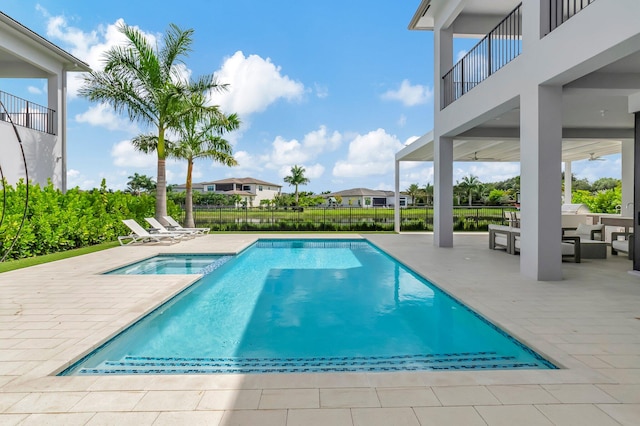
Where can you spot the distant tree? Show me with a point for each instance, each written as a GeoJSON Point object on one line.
{"type": "Point", "coordinates": [605, 183]}
{"type": "Point", "coordinates": [427, 190]}
{"type": "Point", "coordinates": [413, 191]}
{"type": "Point", "coordinates": [296, 178]}
{"type": "Point", "coordinates": [138, 184]}
{"type": "Point", "coordinates": [470, 185]}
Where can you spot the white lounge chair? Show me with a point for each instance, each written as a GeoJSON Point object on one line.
{"type": "Point", "coordinates": [158, 228]}
{"type": "Point", "coordinates": [570, 246]}
{"type": "Point", "coordinates": [140, 235]}
{"type": "Point", "coordinates": [624, 245]}
{"type": "Point", "coordinates": [174, 225]}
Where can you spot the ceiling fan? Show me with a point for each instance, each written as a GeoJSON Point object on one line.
{"type": "Point", "coordinates": [594, 157]}
{"type": "Point", "coordinates": [476, 158]}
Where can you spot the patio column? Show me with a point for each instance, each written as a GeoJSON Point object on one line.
{"type": "Point", "coordinates": [636, 193]}
{"type": "Point", "coordinates": [443, 192]}
{"type": "Point", "coordinates": [568, 182]}
{"type": "Point", "coordinates": [56, 94]}
{"type": "Point", "coordinates": [442, 146]}
{"type": "Point", "coordinates": [541, 159]}
{"type": "Point", "coordinates": [626, 208]}
{"type": "Point", "coordinates": [396, 202]}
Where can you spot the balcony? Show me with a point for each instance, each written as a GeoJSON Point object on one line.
{"type": "Point", "coordinates": [26, 114]}
{"type": "Point", "coordinates": [494, 51]}
{"type": "Point", "coordinates": [560, 11]}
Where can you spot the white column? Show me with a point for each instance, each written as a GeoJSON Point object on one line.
{"type": "Point", "coordinates": [540, 186]}
{"type": "Point", "coordinates": [442, 146]}
{"type": "Point", "coordinates": [56, 98]}
{"type": "Point", "coordinates": [443, 192]}
{"type": "Point", "coordinates": [627, 178]}
{"type": "Point", "coordinates": [568, 182]}
{"type": "Point", "coordinates": [396, 203]}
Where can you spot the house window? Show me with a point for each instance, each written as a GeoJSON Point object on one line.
{"type": "Point", "coordinates": [211, 188]}
{"type": "Point", "coordinates": [246, 188]}
{"type": "Point", "coordinates": [260, 188]}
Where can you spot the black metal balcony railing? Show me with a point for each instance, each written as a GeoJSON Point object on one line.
{"type": "Point", "coordinates": [493, 52]}
{"type": "Point", "coordinates": [27, 114]}
{"type": "Point", "coordinates": [561, 11]}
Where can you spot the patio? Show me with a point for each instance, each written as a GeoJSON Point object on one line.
{"type": "Point", "coordinates": [589, 323]}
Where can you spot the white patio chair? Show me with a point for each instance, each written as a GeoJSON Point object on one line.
{"type": "Point", "coordinates": [174, 225]}
{"type": "Point", "coordinates": [158, 228]}
{"type": "Point", "coordinates": [141, 235]}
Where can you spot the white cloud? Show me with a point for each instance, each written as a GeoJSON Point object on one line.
{"type": "Point", "coordinates": [102, 115]}
{"type": "Point", "coordinates": [76, 179]}
{"type": "Point", "coordinates": [254, 84]}
{"type": "Point", "coordinates": [461, 54]}
{"type": "Point", "coordinates": [34, 90]}
{"type": "Point", "coordinates": [402, 120]}
{"type": "Point", "coordinates": [370, 154]}
{"type": "Point", "coordinates": [408, 94]}
{"type": "Point", "coordinates": [321, 91]}
{"type": "Point", "coordinates": [314, 171]}
{"type": "Point", "coordinates": [317, 141]}
{"type": "Point", "coordinates": [86, 46]}
{"type": "Point", "coordinates": [125, 155]}
{"type": "Point", "coordinates": [410, 140]}
{"type": "Point", "coordinates": [487, 172]}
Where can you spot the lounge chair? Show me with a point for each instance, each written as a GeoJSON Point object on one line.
{"type": "Point", "coordinates": [140, 235]}
{"type": "Point", "coordinates": [586, 232]}
{"type": "Point", "coordinates": [174, 225]}
{"type": "Point", "coordinates": [158, 228]}
{"type": "Point", "coordinates": [624, 245]}
{"type": "Point", "coordinates": [570, 246]}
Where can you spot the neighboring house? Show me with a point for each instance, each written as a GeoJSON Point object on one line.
{"type": "Point", "coordinates": [363, 197]}
{"type": "Point", "coordinates": [250, 190]}
{"type": "Point", "coordinates": [550, 81]}
{"type": "Point", "coordinates": [42, 129]}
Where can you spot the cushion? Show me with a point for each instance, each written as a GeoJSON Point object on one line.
{"type": "Point", "coordinates": [584, 230]}
{"type": "Point", "coordinates": [568, 249]}
{"type": "Point", "coordinates": [620, 245]}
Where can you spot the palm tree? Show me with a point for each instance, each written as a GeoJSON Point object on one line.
{"type": "Point", "coordinates": [470, 185]}
{"type": "Point", "coordinates": [145, 82]}
{"type": "Point", "coordinates": [297, 178]}
{"type": "Point", "coordinates": [427, 190]}
{"type": "Point", "coordinates": [199, 132]}
{"type": "Point", "coordinates": [413, 191]}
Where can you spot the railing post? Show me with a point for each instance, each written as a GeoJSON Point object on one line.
{"type": "Point", "coordinates": [489, 55]}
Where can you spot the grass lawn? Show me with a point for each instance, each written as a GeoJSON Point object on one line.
{"type": "Point", "coordinates": [10, 265]}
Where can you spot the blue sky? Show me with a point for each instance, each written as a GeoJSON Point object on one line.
{"type": "Point", "coordinates": [335, 86]}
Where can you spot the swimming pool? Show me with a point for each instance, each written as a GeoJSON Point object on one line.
{"type": "Point", "coordinates": [309, 306]}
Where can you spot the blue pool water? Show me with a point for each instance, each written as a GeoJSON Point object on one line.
{"type": "Point", "coordinates": [165, 264]}
{"type": "Point", "coordinates": [309, 306]}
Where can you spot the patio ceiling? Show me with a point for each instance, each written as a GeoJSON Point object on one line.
{"type": "Point", "coordinates": [505, 150]}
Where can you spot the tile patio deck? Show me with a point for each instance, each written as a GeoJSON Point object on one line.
{"type": "Point", "coordinates": [589, 323]}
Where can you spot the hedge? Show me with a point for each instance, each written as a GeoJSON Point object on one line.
{"type": "Point", "coordinates": [58, 222]}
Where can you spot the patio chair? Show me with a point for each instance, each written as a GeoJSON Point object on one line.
{"type": "Point", "coordinates": [586, 232]}
{"type": "Point", "coordinates": [174, 225]}
{"type": "Point", "coordinates": [158, 228]}
{"type": "Point", "coordinates": [570, 246]}
{"type": "Point", "coordinates": [624, 245]}
{"type": "Point", "coordinates": [140, 235]}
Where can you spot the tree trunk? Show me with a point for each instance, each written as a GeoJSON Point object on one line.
{"type": "Point", "coordinates": [161, 192]}
{"type": "Point", "coordinates": [296, 195]}
{"type": "Point", "coordinates": [470, 198]}
{"type": "Point", "coordinates": [188, 202]}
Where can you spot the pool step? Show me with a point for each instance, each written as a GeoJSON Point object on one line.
{"type": "Point", "coordinates": [178, 365]}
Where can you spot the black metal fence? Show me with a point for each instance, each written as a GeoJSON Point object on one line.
{"type": "Point", "coordinates": [493, 52]}
{"type": "Point", "coordinates": [341, 218]}
{"type": "Point", "coordinates": [27, 114]}
{"type": "Point", "coordinates": [560, 11]}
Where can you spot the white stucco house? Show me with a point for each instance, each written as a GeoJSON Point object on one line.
{"type": "Point", "coordinates": [550, 81]}
{"type": "Point", "coordinates": [364, 197]}
{"type": "Point", "coordinates": [42, 129]}
{"type": "Point", "coordinates": [250, 190]}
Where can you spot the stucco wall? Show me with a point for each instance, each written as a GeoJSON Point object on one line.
{"type": "Point", "coordinates": [42, 153]}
